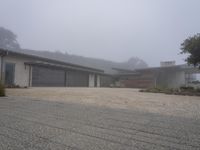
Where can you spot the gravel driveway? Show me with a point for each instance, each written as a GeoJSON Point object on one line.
{"type": "Point", "coordinates": [183, 106]}
{"type": "Point", "coordinates": [94, 119]}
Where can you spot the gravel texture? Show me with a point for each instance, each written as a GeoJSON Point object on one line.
{"type": "Point", "coordinates": [94, 119]}
{"type": "Point", "coordinates": [184, 106]}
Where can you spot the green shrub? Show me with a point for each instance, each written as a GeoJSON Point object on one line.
{"type": "Point", "coordinates": [154, 90]}
{"type": "Point", "coordinates": [187, 88]}
{"type": "Point", "coordinates": [198, 90]}
{"type": "Point", "coordinates": [184, 90]}
{"type": "Point", "coordinates": [2, 90]}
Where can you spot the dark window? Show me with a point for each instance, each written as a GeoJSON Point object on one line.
{"type": "Point", "coordinates": [9, 73]}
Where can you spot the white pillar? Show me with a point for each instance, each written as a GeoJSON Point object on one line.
{"type": "Point", "coordinates": [91, 80]}
{"type": "Point", "coordinates": [30, 76]}
{"type": "Point", "coordinates": [98, 81]}
{"type": "Point", "coordinates": [0, 67]}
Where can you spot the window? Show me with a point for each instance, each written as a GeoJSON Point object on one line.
{"type": "Point", "coordinates": [9, 73]}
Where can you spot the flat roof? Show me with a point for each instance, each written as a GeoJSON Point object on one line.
{"type": "Point", "coordinates": [50, 61]}
{"type": "Point", "coordinates": [183, 67]}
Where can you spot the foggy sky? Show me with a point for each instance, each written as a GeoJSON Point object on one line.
{"type": "Point", "coordinates": [110, 29]}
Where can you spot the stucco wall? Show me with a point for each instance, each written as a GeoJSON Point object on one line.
{"type": "Point", "coordinates": [21, 76]}
{"type": "Point", "coordinates": [178, 79]}
{"type": "Point", "coordinates": [0, 62]}
{"type": "Point", "coordinates": [171, 79]}
{"type": "Point", "coordinates": [91, 80]}
{"type": "Point", "coordinates": [98, 81]}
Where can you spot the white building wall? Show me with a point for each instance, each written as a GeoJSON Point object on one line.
{"type": "Point", "coordinates": [171, 79]}
{"type": "Point", "coordinates": [30, 76]}
{"type": "Point", "coordinates": [23, 73]}
{"type": "Point", "coordinates": [98, 81]}
{"type": "Point", "coordinates": [91, 80]}
{"type": "Point", "coordinates": [0, 67]}
{"type": "Point", "coordinates": [21, 76]}
{"type": "Point", "coordinates": [177, 79]}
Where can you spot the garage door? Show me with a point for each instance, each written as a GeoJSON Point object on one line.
{"type": "Point", "coordinates": [77, 79]}
{"type": "Point", "coordinates": [47, 77]}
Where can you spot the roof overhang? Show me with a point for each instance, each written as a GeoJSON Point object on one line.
{"type": "Point", "coordinates": [61, 67]}
{"type": "Point", "coordinates": [49, 62]}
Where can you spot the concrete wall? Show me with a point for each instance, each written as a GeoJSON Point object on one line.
{"type": "Point", "coordinates": [178, 79]}
{"type": "Point", "coordinates": [171, 79]}
{"type": "Point", "coordinates": [98, 81]}
{"type": "Point", "coordinates": [0, 62]}
{"type": "Point", "coordinates": [91, 80]}
{"type": "Point", "coordinates": [21, 76]}
{"type": "Point", "coordinates": [30, 76]}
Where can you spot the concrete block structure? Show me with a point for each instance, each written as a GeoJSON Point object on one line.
{"type": "Point", "coordinates": [165, 76]}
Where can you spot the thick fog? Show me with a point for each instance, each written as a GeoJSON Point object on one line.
{"type": "Point", "coordinates": [110, 29]}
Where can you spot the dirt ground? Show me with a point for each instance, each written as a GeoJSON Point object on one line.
{"type": "Point", "coordinates": [182, 106]}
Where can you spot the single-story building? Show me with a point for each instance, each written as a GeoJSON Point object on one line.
{"type": "Point", "coordinates": [24, 70]}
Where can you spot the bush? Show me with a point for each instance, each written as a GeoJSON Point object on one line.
{"type": "Point", "coordinates": [2, 90]}
{"type": "Point", "coordinates": [184, 90]}
{"type": "Point", "coordinates": [153, 90]}
{"type": "Point", "coordinates": [198, 90]}
{"type": "Point", "coordinates": [187, 88]}
{"type": "Point", "coordinates": [13, 86]}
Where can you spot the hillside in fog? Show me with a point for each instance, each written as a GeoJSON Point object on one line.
{"type": "Point", "coordinates": [106, 65]}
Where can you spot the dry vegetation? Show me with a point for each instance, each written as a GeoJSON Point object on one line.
{"type": "Point", "coordinates": [184, 90]}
